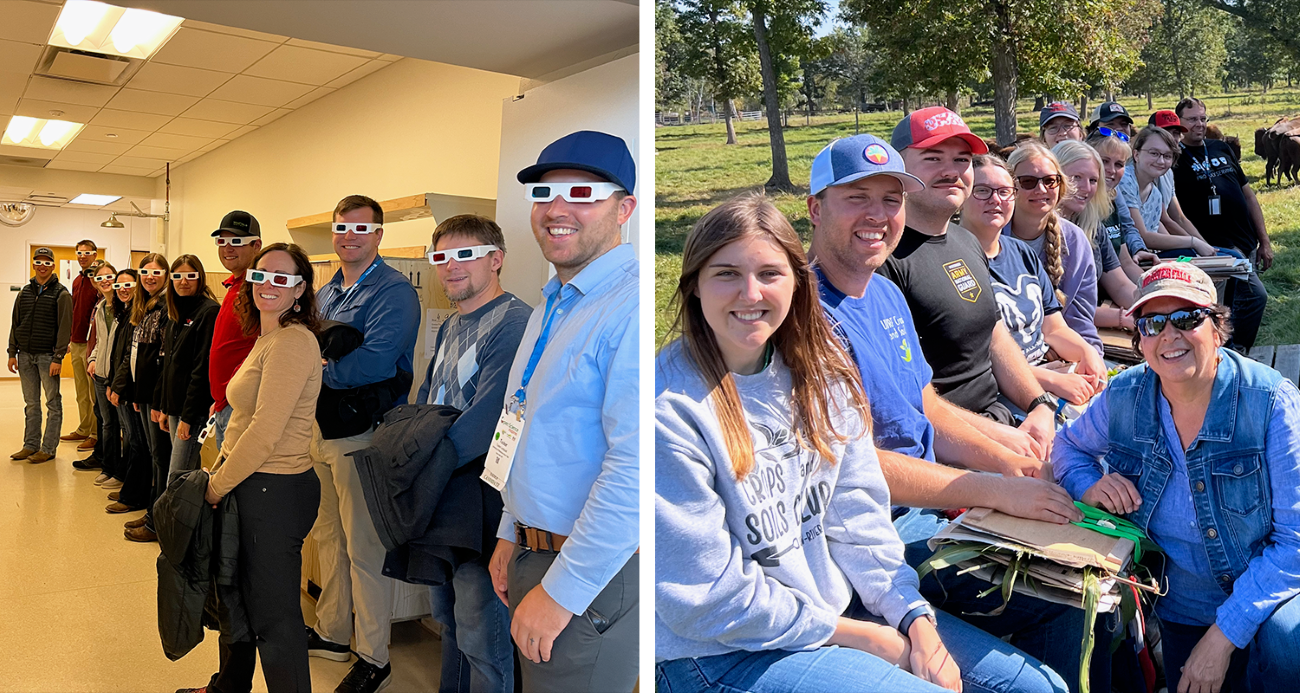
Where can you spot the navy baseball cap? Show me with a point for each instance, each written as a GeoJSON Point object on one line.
{"type": "Point", "coordinates": [586, 150]}
{"type": "Point", "coordinates": [1057, 109]}
{"type": "Point", "coordinates": [43, 252]}
{"type": "Point", "coordinates": [854, 158]}
{"type": "Point", "coordinates": [1109, 111]}
{"type": "Point", "coordinates": [240, 223]}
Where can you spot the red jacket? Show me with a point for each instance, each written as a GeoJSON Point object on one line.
{"type": "Point", "coordinates": [229, 343]}
{"type": "Point", "coordinates": [83, 304]}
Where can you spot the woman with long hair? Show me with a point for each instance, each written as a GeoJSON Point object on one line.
{"type": "Point", "coordinates": [762, 428]}
{"type": "Point", "coordinates": [1088, 207]}
{"type": "Point", "coordinates": [265, 465]}
{"type": "Point", "coordinates": [183, 394]}
{"type": "Point", "coordinates": [135, 452]}
{"type": "Point", "coordinates": [1026, 298]}
{"type": "Point", "coordinates": [1117, 224]}
{"type": "Point", "coordinates": [136, 382]}
{"type": "Point", "coordinates": [108, 444]}
{"type": "Point", "coordinates": [1062, 247]}
{"type": "Point", "coordinates": [1148, 189]}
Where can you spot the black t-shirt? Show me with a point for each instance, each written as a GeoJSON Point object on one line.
{"type": "Point", "coordinates": [1212, 166]}
{"type": "Point", "coordinates": [946, 282]}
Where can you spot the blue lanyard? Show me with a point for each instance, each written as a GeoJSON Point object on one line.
{"type": "Point", "coordinates": [344, 293]}
{"type": "Point", "coordinates": [551, 309]}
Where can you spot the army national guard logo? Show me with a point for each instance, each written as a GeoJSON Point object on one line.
{"type": "Point", "coordinates": [967, 287]}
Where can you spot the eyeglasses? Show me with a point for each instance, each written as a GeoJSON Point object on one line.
{"type": "Point", "coordinates": [1061, 129]}
{"type": "Point", "coordinates": [1158, 156]}
{"type": "Point", "coordinates": [1184, 320]}
{"type": "Point", "coordinates": [572, 192]}
{"type": "Point", "coordinates": [1031, 182]}
{"type": "Point", "coordinates": [177, 276]}
{"type": "Point", "coordinates": [43, 263]}
{"type": "Point", "coordinates": [473, 252]}
{"type": "Point", "coordinates": [235, 241]}
{"type": "Point", "coordinates": [123, 285]}
{"type": "Point", "coordinates": [360, 229]}
{"type": "Point", "coordinates": [104, 279]}
{"type": "Point", "coordinates": [984, 192]}
{"type": "Point", "coordinates": [153, 273]}
{"type": "Point", "coordinates": [1107, 132]}
{"type": "Point", "coordinates": [86, 253]}
{"type": "Point", "coordinates": [284, 281]}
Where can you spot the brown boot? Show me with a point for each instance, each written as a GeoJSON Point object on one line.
{"type": "Point", "coordinates": [22, 454]}
{"type": "Point", "coordinates": [87, 444]}
{"type": "Point", "coordinates": [132, 524]}
{"type": "Point", "coordinates": [114, 495]}
{"type": "Point", "coordinates": [73, 436]}
{"type": "Point", "coordinates": [141, 534]}
{"type": "Point", "coordinates": [40, 457]}
{"type": "Point", "coordinates": [117, 508]}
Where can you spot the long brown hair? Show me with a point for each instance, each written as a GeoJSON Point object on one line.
{"type": "Point", "coordinates": [816, 360]}
{"type": "Point", "coordinates": [144, 301]}
{"type": "Point", "coordinates": [1053, 241]}
{"type": "Point", "coordinates": [304, 310]}
{"type": "Point", "coordinates": [204, 290]}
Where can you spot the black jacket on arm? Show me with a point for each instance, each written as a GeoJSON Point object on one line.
{"type": "Point", "coordinates": [182, 388]}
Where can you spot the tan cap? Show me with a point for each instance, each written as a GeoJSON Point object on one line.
{"type": "Point", "coordinates": [1178, 280]}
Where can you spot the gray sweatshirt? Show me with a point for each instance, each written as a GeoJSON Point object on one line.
{"type": "Point", "coordinates": [769, 563]}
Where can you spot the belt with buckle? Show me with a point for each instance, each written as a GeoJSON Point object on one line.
{"type": "Point", "coordinates": [538, 539]}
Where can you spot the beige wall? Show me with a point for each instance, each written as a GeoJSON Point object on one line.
{"type": "Point", "coordinates": [413, 127]}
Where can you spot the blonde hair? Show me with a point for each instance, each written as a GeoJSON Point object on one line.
{"type": "Point", "coordinates": [805, 341]}
{"type": "Point", "coordinates": [144, 301]}
{"type": "Point", "coordinates": [1098, 206]}
{"type": "Point", "coordinates": [1053, 242]}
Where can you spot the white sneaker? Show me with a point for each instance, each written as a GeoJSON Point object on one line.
{"type": "Point", "coordinates": [99, 480]}
{"type": "Point", "coordinates": [111, 484]}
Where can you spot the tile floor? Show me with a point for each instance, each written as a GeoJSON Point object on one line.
{"type": "Point", "coordinates": [78, 602]}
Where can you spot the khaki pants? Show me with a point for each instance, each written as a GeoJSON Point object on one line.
{"type": "Point", "coordinates": [350, 554]}
{"type": "Point", "coordinates": [86, 424]}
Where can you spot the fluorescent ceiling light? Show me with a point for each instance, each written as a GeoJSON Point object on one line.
{"type": "Point", "coordinates": [94, 200]}
{"type": "Point", "coordinates": [94, 26]}
{"type": "Point", "coordinates": [40, 133]}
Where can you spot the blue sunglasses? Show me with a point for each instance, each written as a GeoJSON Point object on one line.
{"type": "Point", "coordinates": [1107, 132]}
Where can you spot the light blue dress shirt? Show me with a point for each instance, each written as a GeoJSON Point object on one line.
{"type": "Point", "coordinates": [576, 470]}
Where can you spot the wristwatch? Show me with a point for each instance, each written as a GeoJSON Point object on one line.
{"type": "Point", "coordinates": [924, 611]}
{"type": "Point", "coordinates": [1045, 399]}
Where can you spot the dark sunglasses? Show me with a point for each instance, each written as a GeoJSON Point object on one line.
{"type": "Point", "coordinates": [1031, 182]}
{"type": "Point", "coordinates": [1107, 132]}
{"type": "Point", "coordinates": [1184, 320]}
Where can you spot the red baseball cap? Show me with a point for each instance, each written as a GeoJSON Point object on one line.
{"type": "Point", "coordinates": [1166, 119]}
{"type": "Point", "coordinates": [930, 126]}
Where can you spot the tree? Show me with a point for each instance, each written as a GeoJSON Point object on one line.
{"type": "Point", "coordinates": [783, 33]}
{"type": "Point", "coordinates": [1187, 49]}
{"type": "Point", "coordinates": [670, 54]}
{"type": "Point", "coordinates": [720, 50]}
{"type": "Point", "coordinates": [1278, 19]}
{"type": "Point", "coordinates": [853, 63]}
{"type": "Point", "coordinates": [1254, 57]}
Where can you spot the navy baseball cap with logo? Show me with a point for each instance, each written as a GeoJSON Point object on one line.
{"type": "Point", "coordinates": [43, 252]}
{"type": "Point", "coordinates": [1057, 109]}
{"type": "Point", "coordinates": [854, 158]}
{"type": "Point", "coordinates": [239, 223]}
{"type": "Point", "coordinates": [586, 150]}
{"type": "Point", "coordinates": [1108, 111]}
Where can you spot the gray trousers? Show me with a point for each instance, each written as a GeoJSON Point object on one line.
{"type": "Point", "coordinates": [34, 373]}
{"type": "Point", "coordinates": [597, 651]}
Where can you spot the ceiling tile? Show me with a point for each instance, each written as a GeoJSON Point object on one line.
{"type": "Point", "coordinates": [65, 91]}
{"type": "Point", "coordinates": [366, 69]}
{"type": "Point", "coordinates": [152, 102]}
{"type": "Point", "coordinates": [128, 170]}
{"type": "Point", "coordinates": [85, 157]}
{"type": "Point", "coordinates": [82, 144]}
{"type": "Point", "coordinates": [234, 31]}
{"type": "Point", "coordinates": [9, 192]}
{"type": "Point", "coordinates": [101, 134]}
{"type": "Point", "coordinates": [226, 111]}
{"type": "Point", "coordinates": [12, 86]}
{"type": "Point", "coordinates": [197, 128]}
{"type": "Point", "coordinates": [28, 22]}
{"type": "Point", "coordinates": [304, 65]}
{"type": "Point", "coordinates": [74, 166]}
{"type": "Point", "coordinates": [190, 157]}
{"type": "Point", "coordinates": [359, 52]}
{"type": "Point", "coordinates": [263, 92]}
{"type": "Point", "coordinates": [172, 141]}
{"type": "Point", "coordinates": [145, 122]}
{"type": "Point", "coordinates": [41, 109]}
{"type": "Point", "coordinates": [390, 57]}
{"type": "Point", "coordinates": [209, 147]}
{"type": "Point", "coordinates": [18, 57]}
{"type": "Point", "coordinates": [220, 52]}
{"type": "Point", "coordinates": [148, 164]}
{"type": "Point", "coordinates": [174, 79]}
{"type": "Point", "coordinates": [241, 132]}
{"type": "Point", "coordinates": [271, 117]}
{"type": "Point", "coordinates": [157, 153]}
{"type": "Point", "coordinates": [309, 97]}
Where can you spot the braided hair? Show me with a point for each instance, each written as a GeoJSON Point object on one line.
{"type": "Point", "coordinates": [1054, 236]}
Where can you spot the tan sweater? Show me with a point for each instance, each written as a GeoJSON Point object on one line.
{"type": "Point", "coordinates": [271, 417]}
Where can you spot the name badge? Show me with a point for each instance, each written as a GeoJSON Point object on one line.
{"type": "Point", "coordinates": [1214, 201]}
{"type": "Point", "coordinates": [501, 453]}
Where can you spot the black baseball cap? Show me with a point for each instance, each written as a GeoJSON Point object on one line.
{"type": "Point", "coordinates": [1057, 109]}
{"type": "Point", "coordinates": [240, 223]}
{"type": "Point", "coordinates": [1109, 111]}
{"type": "Point", "coordinates": [586, 150]}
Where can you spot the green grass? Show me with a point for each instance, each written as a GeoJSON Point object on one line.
{"type": "Point", "coordinates": [695, 171]}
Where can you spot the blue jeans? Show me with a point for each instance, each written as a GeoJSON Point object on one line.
{"type": "Point", "coordinates": [1050, 633]}
{"type": "Point", "coordinates": [477, 654]}
{"type": "Point", "coordinates": [110, 431]}
{"type": "Point", "coordinates": [185, 453]}
{"type": "Point", "coordinates": [1271, 662]}
{"type": "Point", "coordinates": [223, 420]}
{"type": "Point", "coordinates": [34, 375]}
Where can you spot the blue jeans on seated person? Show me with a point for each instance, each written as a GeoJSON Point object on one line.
{"type": "Point", "coordinates": [1270, 663]}
{"type": "Point", "coordinates": [1043, 631]}
{"type": "Point", "coordinates": [477, 653]}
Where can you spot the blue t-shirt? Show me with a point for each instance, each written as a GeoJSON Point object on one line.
{"type": "Point", "coordinates": [1025, 295]}
{"type": "Point", "coordinates": [878, 331]}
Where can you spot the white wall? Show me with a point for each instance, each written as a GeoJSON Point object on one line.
{"type": "Point", "coordinates": [603, 98]}
{"type": "Point", "coordinates": [60, 226]}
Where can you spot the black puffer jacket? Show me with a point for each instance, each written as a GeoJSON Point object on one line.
{"type": "Point", "coordinates": [200, 550]}
{"type": "Point", "coordinates": [182, 388]}
{"type": "Point", "coordinates": [137, 385]}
